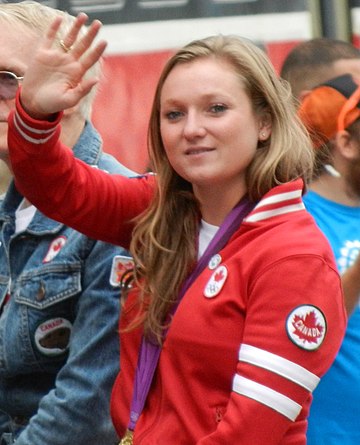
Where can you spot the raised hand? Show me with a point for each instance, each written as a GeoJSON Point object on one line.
{"type": "Point", "coordinates": [54, 80]}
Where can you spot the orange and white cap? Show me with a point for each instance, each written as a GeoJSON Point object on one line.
{"type": "Point", "coordinates": [330, 107]}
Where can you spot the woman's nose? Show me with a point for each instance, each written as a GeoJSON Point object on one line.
{"type": "Point", "coordinates": [194, 126]}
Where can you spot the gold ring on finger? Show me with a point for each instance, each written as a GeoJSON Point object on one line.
{"type": "Point", "coordinates": [65, 47]}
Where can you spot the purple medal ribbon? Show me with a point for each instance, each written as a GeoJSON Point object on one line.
{"type": "Point", "coordinates": [150, 352]}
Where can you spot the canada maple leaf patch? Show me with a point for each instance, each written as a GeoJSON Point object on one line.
{"type": "Point", "coordinates": [306, 327]}
{"type": "Point", "coordinates": [120, 265]}
{"type": "Point", "coordinates": [55, 247]}
{"type": "Point", "coordinates": [216, 282]}
{"type": "Point", "coordinates": [219, 276]}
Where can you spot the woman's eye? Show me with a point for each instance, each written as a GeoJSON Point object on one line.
{"type": "Point", "coordinates": [173, 115]}
{"type": "Point", "coordinates": [218, 108]}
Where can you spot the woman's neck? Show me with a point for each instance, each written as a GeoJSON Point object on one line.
{"type": "Point", "coordinates": [216, 205]}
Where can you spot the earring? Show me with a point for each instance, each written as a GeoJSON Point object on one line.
{"type": "Point", "coordinates": [263, 135]}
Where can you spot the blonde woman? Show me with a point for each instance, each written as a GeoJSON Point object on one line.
{"type": "Point", "coordinates": [235, 309]}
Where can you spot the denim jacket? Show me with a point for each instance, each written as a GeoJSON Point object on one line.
{"type": "Point", "coordinates": [59, 346]}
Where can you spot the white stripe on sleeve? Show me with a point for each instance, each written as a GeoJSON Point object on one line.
{"type": "Point", "coordinates": [279, 365]}
{"type": "Point", "coordinates": [266, 396]}
{"type": "Point", "coordinates": [20, 124]}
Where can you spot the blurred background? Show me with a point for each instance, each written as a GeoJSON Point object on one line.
{"type": "Point", "coordinates": [141, 35]}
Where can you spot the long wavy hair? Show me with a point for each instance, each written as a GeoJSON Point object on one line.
{"type": "Point", "coordinates": [164, 240]}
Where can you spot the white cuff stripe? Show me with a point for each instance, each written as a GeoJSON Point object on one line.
{"type": "Point", "coordinates": [280, 197]}
{"type": "Point", "coordinates": [279, 365]}
{"type": "Point", "coordinates": [33, 130]}
{"type": "Point", "coordinates": [266, 396]}
{"type": "Point", "coordinates": [29, 138]}
{"type": "Point", "coordinates": [275, 212]}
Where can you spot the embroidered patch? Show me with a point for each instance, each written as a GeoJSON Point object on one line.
{"type": "Point", "coordinates": [214, 261]}
{"type": "Point", "coordinates": [52, 337]}
{"type": "Point", "coordinates": [55, 248]}
{"type": "Point", "coordinates": [216, 282]}
{"type": "Point", "coordinates": [306, 327]}
{"type": "Point", "coordinates": [120, 265]}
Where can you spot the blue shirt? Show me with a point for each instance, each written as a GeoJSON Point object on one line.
{"type": "Point", "coordinates": [334, 417]}
{"type": "Point", "coordinates": [59, 344]}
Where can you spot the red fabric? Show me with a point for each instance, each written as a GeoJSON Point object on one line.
{"type": "Point", "coordinates": [277, 51]}
{"type": "Point", "coordinates": [123, 101]}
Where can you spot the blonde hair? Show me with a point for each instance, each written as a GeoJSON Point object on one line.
{"type": "Point", "coordinates": [164, 241]}
{"type": "Point", "coordinates": [38, 17]}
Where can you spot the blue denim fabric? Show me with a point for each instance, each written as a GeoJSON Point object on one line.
{"type": "Point", "coordinates": [59, 346]}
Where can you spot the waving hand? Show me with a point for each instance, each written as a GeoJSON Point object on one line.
{"type": "Point", "coordinates": [54, 80]}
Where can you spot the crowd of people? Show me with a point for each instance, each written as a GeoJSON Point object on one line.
{"type": "Point", "coordinates": [221, 276]}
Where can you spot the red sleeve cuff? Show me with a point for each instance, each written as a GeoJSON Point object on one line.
{"type": "Point", "coordinates": [50, 122]}
{"type": "Point", "coordinates": [33, 130]}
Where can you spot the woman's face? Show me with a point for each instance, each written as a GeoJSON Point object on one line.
{"type": "Point", "coordinates": [208, 127]}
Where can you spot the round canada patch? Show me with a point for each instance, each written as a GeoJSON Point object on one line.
{"type": "Point", "coordinates": [53, 336]}
{"type": "Point", "coordinates": [306, 327]}
{"type": "Point", "coordinates": [216, 282]}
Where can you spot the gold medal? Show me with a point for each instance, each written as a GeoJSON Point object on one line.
{"type": "Point", "coordinates": [127, 439]}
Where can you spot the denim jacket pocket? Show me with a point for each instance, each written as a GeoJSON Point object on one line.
{"type": "Point", "coordinates": [44, 303]}
{"type": "Point", "coordinates": [47, 285]}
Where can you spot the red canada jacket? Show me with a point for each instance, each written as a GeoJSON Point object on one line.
{"type": "Point", "coordinates": [251, 336]}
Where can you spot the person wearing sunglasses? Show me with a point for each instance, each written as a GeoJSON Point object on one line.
{"type": "Point", "coordinates": [319, 73]}
{"type": "Point", "coordinates": [59, 290]}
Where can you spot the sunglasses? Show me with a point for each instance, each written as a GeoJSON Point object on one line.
{"type": "Point", "coordinates": [9, 84]}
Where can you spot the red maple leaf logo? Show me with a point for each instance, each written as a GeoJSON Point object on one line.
{"type": "Point", "coordinates": [57, 245]}
{"type": "Point", "coordinates": [307, 327]}
{"type": "Point", "coordinates": [219, 275]}
{"type": "Point", "coordinates": [121, 268]}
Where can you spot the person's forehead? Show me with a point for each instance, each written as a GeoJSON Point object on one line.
{"type": "Point", "coordinates": [347, 66]}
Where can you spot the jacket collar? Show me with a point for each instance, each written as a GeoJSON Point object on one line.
{"type": "Point", "coordinates": [281, 200]}
{"type": "Point", "coordinates": [88, 149]}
